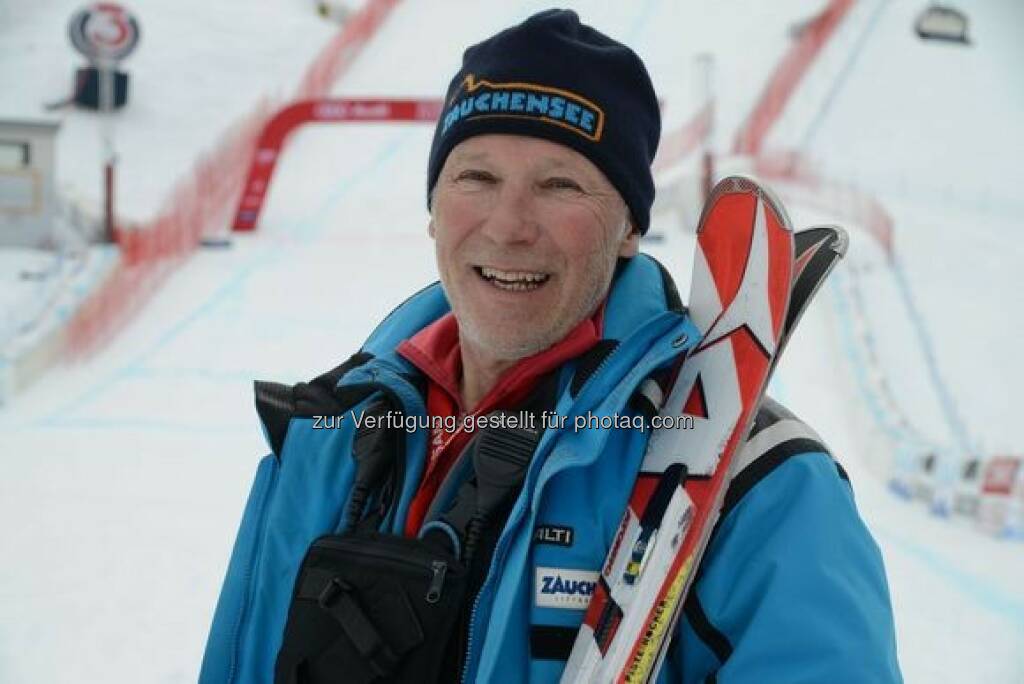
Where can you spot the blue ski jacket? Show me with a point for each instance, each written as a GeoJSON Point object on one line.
{"type": "Point", "coordinates": [791, 588]}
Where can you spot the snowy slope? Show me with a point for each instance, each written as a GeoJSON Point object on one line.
{"type": "Point", "coordinates": [126, 476]}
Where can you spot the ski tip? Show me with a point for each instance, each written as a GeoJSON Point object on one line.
{"type": "Point", "coordinates": [839, 239]}
{"type": "Point", "coordinates": [742, 184]}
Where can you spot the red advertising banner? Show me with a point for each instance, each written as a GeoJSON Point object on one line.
{"type": "Point", "coordinates": [271, 140]}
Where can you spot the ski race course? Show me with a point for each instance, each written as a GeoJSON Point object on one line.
{"type": "Point", "coordinates": [126, 470]}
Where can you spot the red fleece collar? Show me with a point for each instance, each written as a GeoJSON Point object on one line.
{"type": "Point", "coordinates": [435, 351]}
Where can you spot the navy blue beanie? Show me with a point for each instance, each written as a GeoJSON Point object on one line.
{"type": "Point", "coordinates": [552, 77]}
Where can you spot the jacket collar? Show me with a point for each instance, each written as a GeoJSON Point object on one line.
{"type": "Point", "coordinates": [435, 351]}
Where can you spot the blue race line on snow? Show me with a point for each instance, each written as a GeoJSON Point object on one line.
{"type": "Point", "coordinates": [982, 593]}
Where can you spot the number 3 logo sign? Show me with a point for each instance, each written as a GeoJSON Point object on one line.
{"type": "Point", "coordinates": [104, 31]}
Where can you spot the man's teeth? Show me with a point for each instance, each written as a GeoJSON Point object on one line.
{"type": "Point", "coordinates": [514, 280]}
{"type": "Point", "coordinates": [513, 276]}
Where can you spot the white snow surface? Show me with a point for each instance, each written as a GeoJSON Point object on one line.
{"type": "Point", "coordinates": [125, 476]}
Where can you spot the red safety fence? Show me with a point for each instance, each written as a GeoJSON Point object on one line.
{"type": "Point", "coordinates": [201, 203]}
{"type": "Point", "coordinates": [339, 110]}
{"type": "Point", "coordinates": [787, 75]}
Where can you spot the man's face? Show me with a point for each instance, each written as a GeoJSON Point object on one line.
{"type": "Point", "coordinates": [527, 233]}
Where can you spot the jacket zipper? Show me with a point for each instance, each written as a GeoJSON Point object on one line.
{"type": "Point", "coordinates": [435, 568]}
{"type": "Point", "coordinates": [438, 568]}
{"type": "Point", "coordinates": [499, 551]}
{"type": "Point", "coordinates": [500, 547]}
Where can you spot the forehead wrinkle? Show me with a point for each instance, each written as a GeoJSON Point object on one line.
{"type": "Point", "coordinates": [464, 155]}
{"type": "Point", "coordinates": [555, 163]}
{"type": "Point", "coordinates": [544, 161]}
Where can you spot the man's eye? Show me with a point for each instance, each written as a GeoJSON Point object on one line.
{"type": "Point", "coordinates": [559, 183]}
{"type": "Point", "coordinates": [475, 175]}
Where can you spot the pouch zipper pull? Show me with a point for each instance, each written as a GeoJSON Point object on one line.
{"type": "Point", "coordinates": [437, 581]}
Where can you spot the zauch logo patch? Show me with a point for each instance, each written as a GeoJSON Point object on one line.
{"type": "Point", "coordinates": [558, 107]}
{"type": "Point", "coordinates": [553, 534]}
{"type": "Point", "coordinates": [564, 588]}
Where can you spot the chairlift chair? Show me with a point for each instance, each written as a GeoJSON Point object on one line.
{"type": "Point", "coordinates": [939, 22]}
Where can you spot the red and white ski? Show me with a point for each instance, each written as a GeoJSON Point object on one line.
{"type": "Point", "coordinates": [744, 275]}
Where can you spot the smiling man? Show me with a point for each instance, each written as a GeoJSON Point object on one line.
{"type": "Point", "coordinates": [428, 547]}
{"type": "Point", "coordinates": [527, 234]}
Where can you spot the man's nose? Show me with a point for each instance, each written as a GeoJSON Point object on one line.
{"type": "Point", "coordinates": [513, 219]}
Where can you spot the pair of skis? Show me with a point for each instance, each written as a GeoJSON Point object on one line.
{"type": "Point", "coordinates": [752, 280]}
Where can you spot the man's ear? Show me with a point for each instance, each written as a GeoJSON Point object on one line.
{"type": "Point", "coordinates": [630, 245]}
{"type": "Point", "coordinates": [431, 230]}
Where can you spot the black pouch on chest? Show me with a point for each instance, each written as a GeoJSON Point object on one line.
{"type": "Point", "coordinates": [374, 607]}
{"type": "Point", "coordinates": [368, 607]}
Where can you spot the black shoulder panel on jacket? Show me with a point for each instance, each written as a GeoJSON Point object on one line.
{"type": "Point", "coordinates": [275, 407]}
{"type": "Point", "coordinates": [775, 435]}
{"type": "Point", "coordinates": [769, 413]}
{"type": "Point", "coordinates": [277, 404]}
